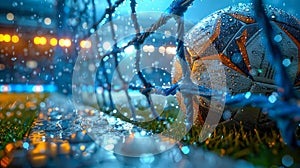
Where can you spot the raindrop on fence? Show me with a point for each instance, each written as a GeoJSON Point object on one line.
{"type": "Point", "coordinates": [248, 95]}
{"type": "Point", "coordinates": [226, 115]}
{"type": "Point", "coordinates": [286, 62]}
{"type": "Point", "coordinates": [185, 150]}
{"type": "Point", "coordinates": [278, 38]}
{"type": "Point", "coordinates": [272, 99]}
{"type": "Point", "coordinates": [287, 160]}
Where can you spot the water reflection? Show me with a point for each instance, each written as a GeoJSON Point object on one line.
{"type": "Point", "coordinates": [58, 138]}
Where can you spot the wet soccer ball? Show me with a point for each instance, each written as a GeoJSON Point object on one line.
{"type": "Point", "coordinates": [234, 37]}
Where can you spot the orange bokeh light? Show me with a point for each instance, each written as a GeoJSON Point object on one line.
{"type": "Point", "coordinates": [40, 40]}
{"type": "Point", "coordinates": [43, 40]}
{"type": "Point", "coordinates": [1, 37]}
{"type": "Point", "coordinates": [53, 41]}
{"type": "Point", "coordinates": [15, 39]}
{"type": "Point", "coordinates": [6, 38]}
{"type": "Point", "coordinates": [65, 42]}
{"type": "Point", "coordinates": [36, 40]}
{"type": "Point", "coordinates": [85, 44]}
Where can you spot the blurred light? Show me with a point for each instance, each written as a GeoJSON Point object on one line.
{"type": "Point", "coordinates": [2, 67]}
{"type": "Point", "coordinates": [161, 49]}
{"type": "Point", "coordinates": [65, 42]}
{"type": "Point", "coordinates": [129, 50]}
{"type": "Point", "coordinates": [6, 38]}
{"type": "Point", "coordinates": [145, 48]}
{"type": "Point", "coordinates": [38, 88]}
{"type": "Point", "coordinates": [185, 150]}
{"type": "Point", "coordinates": [65, 148]}
{"type": "Point", "coordinates": [248, 95]}
{"type": "Point", "coordinates": [18, 88]}
{"type": "Point", "coordinates": [36, 40]}
{"type": "Point", "coordinates": [5, 88]}
{"type": "Point", "coordinates": [168, 33]}
{"type": "Point", "coordinates": [151, 48]}
{"type": "Point", "coordinates": [47, 21]}
{"type": "Point", "coordinates": [106, 45]}
{"type": "Point", "coordinates": [15, 38]}
{"type": "Point", "coordinates": [43, 40]}
{"type": "Point", "coordinates": [26, 145]}
{"type": "Point", "coordinates": [1, 37]}
{"type": "Point", "coordinates": [31, 64]}
{"type": "Point", "coordinates": [148, 48]}
{"type": "Point", "coordinates": [5, 161]}
{"type": "Point", "coordinates": [99, 90]}
{"type": "Point", "coordinates": [10, 16]}
{"type": "Point", "coordinates": [171, 50]}
{"type": "Point", "coordinates": [85, 25]}
{"type": "Point", "coordinates": [109, 147]}
{"type": "Point", "coordinates": [9, 147]}
{"type": "Point", "coordinates": [53, 42]}
{"type": "Point", "coordinates": [85, 44]}
{"type": "Point", "coordinates": [82, 147]}
{"type": "Point", "coordinates": [50, 88]}
{"type": "Point", "coordinates": [61, 42]}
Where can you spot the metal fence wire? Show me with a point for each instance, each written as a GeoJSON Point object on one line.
{"type": "Point", "coordinates": [285, 111]}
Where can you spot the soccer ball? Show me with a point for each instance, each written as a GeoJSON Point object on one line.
{"type": "Point", "coordinates": [233, 37]}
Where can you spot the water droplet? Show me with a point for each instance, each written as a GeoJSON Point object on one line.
{"type": "Point", "coordinates": [248, 95]}
{"type": "Point", "coordinates": [273, 16]}
{"type": "Point", "coordinates": [185, 150]}
{"type": "Point", "coordinates": [286, 62]}
{"type": "Point", "coordinates": [287, 160]}
{"type": "Point", "coordinates": [253, 72]}
{"type": "Point", "coordinates": [14, 4]}
{"type": "Point", "coordinates": [26, 145]}
{"type": "Point", "coordinates": [272, 99]}
{"type": "Point", "coordinates": [143, 133]}
{"type": "Point", "coordinates": [226, 115]}
{"type": "Point", "coordinates": [278, 38]}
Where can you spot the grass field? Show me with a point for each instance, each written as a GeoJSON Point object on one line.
{"type": "Point", "coordinates": [17, 112]}
{"type": "Point", "coordinates": [261, 148]}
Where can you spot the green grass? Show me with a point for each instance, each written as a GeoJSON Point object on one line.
{"type": "Point", "coordinates": [262, 148]}
{"type": "Point", "coordinates": [17, 112]}
{"type": "Point", "coordinates": [259, 147]}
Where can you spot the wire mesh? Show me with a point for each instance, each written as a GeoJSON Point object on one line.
{"type": "Point", "coordinates": [284, 111]}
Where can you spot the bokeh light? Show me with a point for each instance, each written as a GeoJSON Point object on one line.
{"type": "Point", "coordinates": [10, 16]}
{"type": "Point", "coordinates": [53, 42]}
{"type": "Point", "coordinates": [15, 39]}
{"type": "Point", "coordinates": [85, 44]}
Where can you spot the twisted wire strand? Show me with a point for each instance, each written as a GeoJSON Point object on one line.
{"type": "Point", "coordinates": [115, 57]}
{"type": "Point", "coordinates": [146, 84]}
